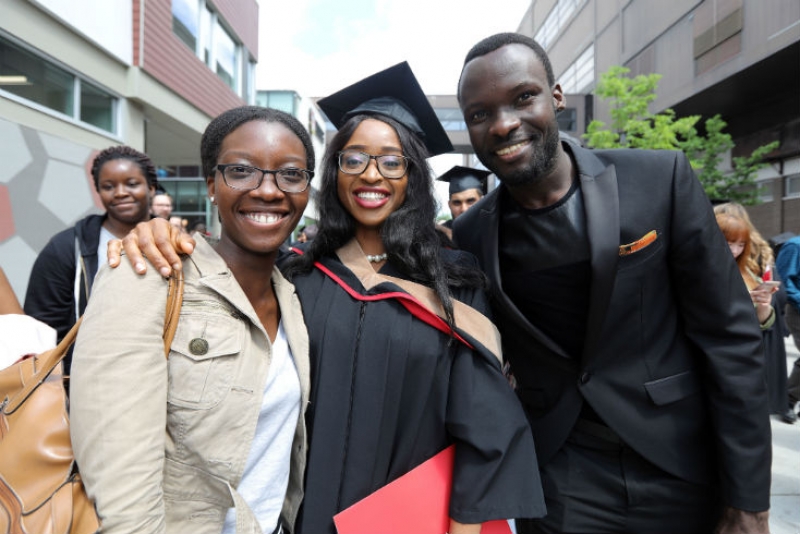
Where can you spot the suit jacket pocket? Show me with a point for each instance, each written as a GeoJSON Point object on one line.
{"type": "Point", "coordinates": [673, 388]}
{"type": "Point", "coordinates": [641, 257]}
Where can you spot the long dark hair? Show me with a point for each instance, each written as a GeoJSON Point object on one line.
{"type": "Point", "coordinates": [408, 234]}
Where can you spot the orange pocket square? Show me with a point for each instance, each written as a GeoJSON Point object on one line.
{"type": "Point", "coordinates": [644, 241]}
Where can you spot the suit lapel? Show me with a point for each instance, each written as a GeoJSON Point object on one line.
{"type": "Point", "coordinates": [601, 202]}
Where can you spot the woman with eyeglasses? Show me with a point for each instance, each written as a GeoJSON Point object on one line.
{"type": "Point", "coordinates": [211, 439]}
{"type": "Point", "coordinates": [404, 360]}
{"type": "Point", "coordinates": [391, 389]}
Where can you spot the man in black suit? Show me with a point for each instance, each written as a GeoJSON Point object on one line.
{"type": "Point", "coordinates": [630, 333]}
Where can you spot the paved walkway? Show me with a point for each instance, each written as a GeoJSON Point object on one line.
{"type": "Point", "coordinates": [784, 517]}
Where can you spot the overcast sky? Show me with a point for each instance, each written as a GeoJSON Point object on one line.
{"type": "Point", "coordinates": [316, 47]}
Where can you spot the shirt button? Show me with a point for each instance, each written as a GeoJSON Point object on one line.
{"type": "Point", "coordinates": [198, 346]}
{"type": "Point", "coordinates": [585, 377]}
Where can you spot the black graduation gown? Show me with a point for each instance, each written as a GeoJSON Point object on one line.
{"type": "Point", "coordinates": [389, 392]}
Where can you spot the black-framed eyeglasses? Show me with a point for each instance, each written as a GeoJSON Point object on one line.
{"type": "Point", "coordinates": [247, 178]}
{"type": "Point", "coordinates": [390, 166]}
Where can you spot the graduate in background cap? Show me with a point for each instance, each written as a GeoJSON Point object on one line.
{"type": "Point", "coordinates": [467, 186]}
{"type": "Point", "coordinates": [394, 383]}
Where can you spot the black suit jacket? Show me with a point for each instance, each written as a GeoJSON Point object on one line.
{"type": "Point", "coordinates": [672, 360]}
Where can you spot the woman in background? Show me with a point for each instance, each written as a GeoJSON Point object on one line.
{"type": "Point", "coordinates": [745, 249]}
{"type": "Point", "coordinates": [63, 273]}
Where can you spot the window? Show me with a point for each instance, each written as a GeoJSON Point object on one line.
{"type": "Point", "coordinates": [225, 55]}
{"type": "Point", "coordinates": [286, 101]}
{"type": "Point", "coordinates": [30, 77]}
{"type": "Point", "coordinates": [207, 19]}
{"type": "Point", "coordinates": [200, 27]}
{"type": "Point", "coordinates": [764, 190]}
{"type": "Point", "coordinates": [186, 187]}
{"type": "Point", "coordinates": [248, 78]}
{"type": "Point", "coordinates": [580, 74]}
{"type": "Point", "coordinates": [190, 196]}
{"type": "Point", "coordinates": [793, 186]}
{"type": "Point", "coordinates": [97, 107]}
{"type": "Point", "coordinates": [185, 17]}
{"type": "Point", "coordinates": [568, 120]}
{"type": "Point", "coordinates": [556, 20]}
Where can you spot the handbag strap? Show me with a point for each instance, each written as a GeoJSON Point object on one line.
{"type": "Point", "coordinates": [173, 312]}
{"type": "Point", "coordinates": [51, 358]}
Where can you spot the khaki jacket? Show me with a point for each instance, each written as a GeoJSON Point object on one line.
{"type": "Point", "coordinates": [161, 444]}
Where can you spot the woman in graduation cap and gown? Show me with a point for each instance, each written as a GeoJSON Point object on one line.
{"type": "Point", "coordinates": [404, 361]}
{"type": "Point", "coordinates": [390, 390]}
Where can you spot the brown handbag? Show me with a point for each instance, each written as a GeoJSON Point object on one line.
{"type": "Point", "coordinates": [40, 488]}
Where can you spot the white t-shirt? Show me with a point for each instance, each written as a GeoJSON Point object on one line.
{"type": "Point", "coordinates": [266, 473]}
{"type": "Point", "coordinates": [102, 247]}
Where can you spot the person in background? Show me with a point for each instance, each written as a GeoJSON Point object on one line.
{"type": "Point", "coordinates": [309, 233]}
{"type": "Point", "coordinates": [305, 234]}
{"type": "Point", "coordinates": [63, 273]}
{"type": "Point", "coordinates": [762, 265]}
{"type": "Point", "coordinates": [739, 235]}
{"type": "Point", "coordinates": [788, 265]}
{"type": "Point", "coordinates": [211, 439]}
{"type": "Point", "coordinates": [178, 222]}
{"type": "Point", "coordinates": [466, 187]}
{"type": "Point", "coordinates": [301, 236]}
{"type": "Point", "coordinates": [760, 250]}
{"type": "Point", "coordinates": [200, 227]}
{"type": "Point", "coordinates": [630, 333]}
{"type": "Point", "coordinates": [394, 385]}
{"type": "Point", "coordinates": [161, 205]}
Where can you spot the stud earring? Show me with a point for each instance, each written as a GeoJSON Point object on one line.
{"type": "Point", "coordinates": [211, 199]}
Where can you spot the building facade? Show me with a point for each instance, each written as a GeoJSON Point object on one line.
{"type": "Point", "coordinates": [307, 111]}
{"type": "Point", "coordinates": [738, 58]}
{"type": "Point", "coordinates": [79, 76]}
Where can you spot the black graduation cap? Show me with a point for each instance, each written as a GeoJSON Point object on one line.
{"type": "Point", "coordinates": [395, 93]}
{"type": "Point", "coordinates": [463, 178]}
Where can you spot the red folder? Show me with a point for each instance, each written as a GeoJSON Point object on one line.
{"type": "Point", "coordinates": [415, 503]}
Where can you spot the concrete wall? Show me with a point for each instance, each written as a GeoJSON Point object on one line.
{"type": "Point", "coordinates": [45, 186]}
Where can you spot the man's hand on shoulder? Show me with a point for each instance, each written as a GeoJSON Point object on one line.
{"type": "Point", "coordinates": [156, 239]}
{"type": "Point", "coordinates": [734, 521]}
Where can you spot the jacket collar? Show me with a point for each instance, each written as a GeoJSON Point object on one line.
{"type": "Point", "coordinates": [215, 274]}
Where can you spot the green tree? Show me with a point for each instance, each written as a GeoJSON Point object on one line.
{"type": "Point", "coordinates": [634, 126]}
